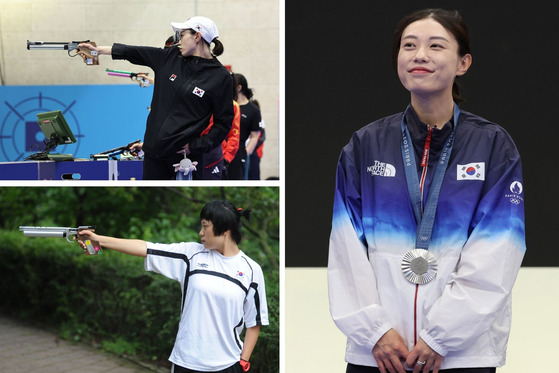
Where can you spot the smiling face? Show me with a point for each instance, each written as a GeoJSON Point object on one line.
{"type": "Point", "coordinates": [428, 59]}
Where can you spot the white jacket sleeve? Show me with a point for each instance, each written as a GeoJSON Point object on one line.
{"type": "Point", "coordinates": [354, 303]}
{"type": "Point", "coordinates": [480, 289]}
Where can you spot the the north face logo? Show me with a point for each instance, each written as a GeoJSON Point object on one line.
{"type": "Point", "coordinates": [382, 169]}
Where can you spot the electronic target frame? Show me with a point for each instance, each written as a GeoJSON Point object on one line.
{"type": "Point", "coordinates": [20, 134]}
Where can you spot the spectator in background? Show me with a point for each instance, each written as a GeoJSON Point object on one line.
{"type": "Point", "coordinates": [251, 121]}
{"type": "Point", "coordinates": [216, 163]}
{"type": "Point", "coordinates": [231, 143]}
{"type": "Point", "coordinates": [256, 156]}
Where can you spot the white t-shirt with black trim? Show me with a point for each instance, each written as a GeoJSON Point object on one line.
{"type": "Point", "coordinates": [220, 296]}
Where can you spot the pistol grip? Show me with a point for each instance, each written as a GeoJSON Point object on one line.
{"type": "Point", "coordinates": [91, 247]}
{"type": "Point", "coordinates": [92, 57]}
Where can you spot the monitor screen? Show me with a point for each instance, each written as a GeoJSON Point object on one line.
{"type": "Point", "coordinates": [55, 128]}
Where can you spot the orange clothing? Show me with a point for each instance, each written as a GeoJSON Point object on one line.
{"type": "Point", "coordinates": [231, 143]}
{"type": "Point", "coordinates": [260, 149]}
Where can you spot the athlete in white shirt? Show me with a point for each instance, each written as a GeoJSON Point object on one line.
{"type": "Point", "coordinates": [223, 291]}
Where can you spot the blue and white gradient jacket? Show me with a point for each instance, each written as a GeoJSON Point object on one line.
{"type": "Point", "coordinates": [464, 314]}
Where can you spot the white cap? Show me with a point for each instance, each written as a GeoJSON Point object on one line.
{"type": "Point", "coordinates": [205, 26]}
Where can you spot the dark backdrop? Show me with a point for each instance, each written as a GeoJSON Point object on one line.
{"type": "Point", "coordinates": [339, 78]}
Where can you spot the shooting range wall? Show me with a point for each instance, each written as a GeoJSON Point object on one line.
{"type": "Point", "coordinates": [248, 29]}
{"type": "Point", "coordinates": [121, 121]}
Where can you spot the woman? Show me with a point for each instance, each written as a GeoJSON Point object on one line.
{"type": "Point", "coordinates": [191, 85]}
{"type": "Point", "coordinates": [218, 159]}
{"type": "Point", "coordinates": [254, 158]}
{"type": "Point", "coordinates": [251, 122]}
{"type": "Point", "coordinates": [428, 222]}
{"type": "Point", "coordinates": [223, 290]}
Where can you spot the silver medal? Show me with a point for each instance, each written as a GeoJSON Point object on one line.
{"type": "Point", "coordinates": [419, 266]}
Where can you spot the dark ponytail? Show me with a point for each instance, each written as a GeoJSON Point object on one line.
{"type": "Point", "coordinates": [218, 47]}
{"type": "Point", "coordinates": [245, 213]}
{"type": "Point", "coordinates": [245, 90]}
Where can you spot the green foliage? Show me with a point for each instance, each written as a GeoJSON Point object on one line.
{"type": "Point", "coordinates": [109, 299]}
{"type": "Point", "coordinates": [120, 347]}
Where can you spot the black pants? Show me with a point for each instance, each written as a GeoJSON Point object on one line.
{"type": "Point", "coordinates": [160, 169]}
{"type": "Point", "coordinates": [254, 167]}
{"type": "Point", "coordinates": [235, 368]}
{"type": "Point", "coordinates": [361, 369]}
{"type": "Point", "coordinates": [237, 168]}
{"type": "Point", "coordinates": [210, 165]}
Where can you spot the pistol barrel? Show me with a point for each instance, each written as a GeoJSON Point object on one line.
{"type": "Point", "coordinates": [120, 74]}
{"type": "Point", "coordinates": [58, 45]}
{"type": "Point", "coordinates": [46, 45]}
{"type": "Point", "coordinates": [45, 231]}
{"type": "Point", "coordinates": [33, 233]}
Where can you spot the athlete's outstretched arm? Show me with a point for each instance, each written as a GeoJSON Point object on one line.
{"type": "Point", "coordinates": [101, 49]}
{"type": "Point", "coordinates": [126, 246]}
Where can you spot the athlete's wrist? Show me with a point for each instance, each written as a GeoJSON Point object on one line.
{"type": "Point", "coordinates": [245, 365]}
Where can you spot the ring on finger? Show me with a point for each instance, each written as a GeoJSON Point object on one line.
{"type": "Point", "coordinates": [421, 363]}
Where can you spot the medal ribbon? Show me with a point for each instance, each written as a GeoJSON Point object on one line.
{"type": "Point", "coordinates": [425, 217]}
{"type": "Point", "coordinates": [424, 164]}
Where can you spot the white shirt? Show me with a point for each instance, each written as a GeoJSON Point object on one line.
{"type": "Point", "coordinates": [220, 295]}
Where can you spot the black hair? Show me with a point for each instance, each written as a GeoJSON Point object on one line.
{"type": "Point", "coordinates": [225, 217]}
{"type": "Point", "coordinates": [218, 45]}
{"type": "Point", "coordinates": [235, 83]}
{"type": "Point", "coordinates": [170, 41]}
{"type": "Point", "coordinates": [451, 20]}
{"type": "Point", "coordinates": [245, 90]}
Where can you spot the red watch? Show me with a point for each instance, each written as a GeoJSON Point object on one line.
{"type": "Point", "coordinates": [245, 365]}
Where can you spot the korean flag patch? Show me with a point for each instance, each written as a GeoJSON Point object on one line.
{"type": "Point", "coordinates": [198, 92]}
{"type": "Point", "coordinates": [471, 171]}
